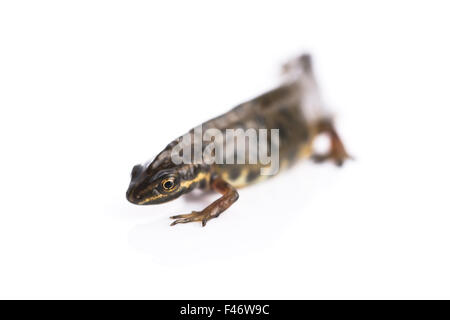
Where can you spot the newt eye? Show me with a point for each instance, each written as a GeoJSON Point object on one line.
{"type": "Point", "coordinates": [168, 184]}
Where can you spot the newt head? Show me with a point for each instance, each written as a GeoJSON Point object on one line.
{"type": "Point", "coordinates": [161, 180]}
{"type": "Point", "coordinates": [157, 182]}
{"type": "Point", "coordinates": [149, 186]}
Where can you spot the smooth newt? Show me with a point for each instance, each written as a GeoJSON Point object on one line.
{"type": "Point", "coordinates": [294, 108]}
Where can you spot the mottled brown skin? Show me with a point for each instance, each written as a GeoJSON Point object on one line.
{"type": "Point", "coordinates": [162, 180]}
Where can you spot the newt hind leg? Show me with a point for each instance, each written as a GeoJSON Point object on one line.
{"type": "Point", "coordinates": [229, 196]}
{"type": "Point", "coordinates": [337, 152]}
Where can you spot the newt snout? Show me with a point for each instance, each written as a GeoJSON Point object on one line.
{"type": "Point", "coordinates": [135, 199]}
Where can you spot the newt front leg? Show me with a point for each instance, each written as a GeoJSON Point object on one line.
{"type": "Point", "coordinates": [229, 196]}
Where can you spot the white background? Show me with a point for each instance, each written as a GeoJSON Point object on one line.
{"type": "Point", "coordinates": [90, 88]}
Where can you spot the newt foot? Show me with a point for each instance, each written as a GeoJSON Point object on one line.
{"type": "Point", "coordinates": [201, 216]}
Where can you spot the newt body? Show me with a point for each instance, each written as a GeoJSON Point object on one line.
{"type": "Point", "coordinates": [294, 108]}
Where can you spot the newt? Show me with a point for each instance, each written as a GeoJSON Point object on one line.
{"type": "Point", "coordinates": [294, 109]}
